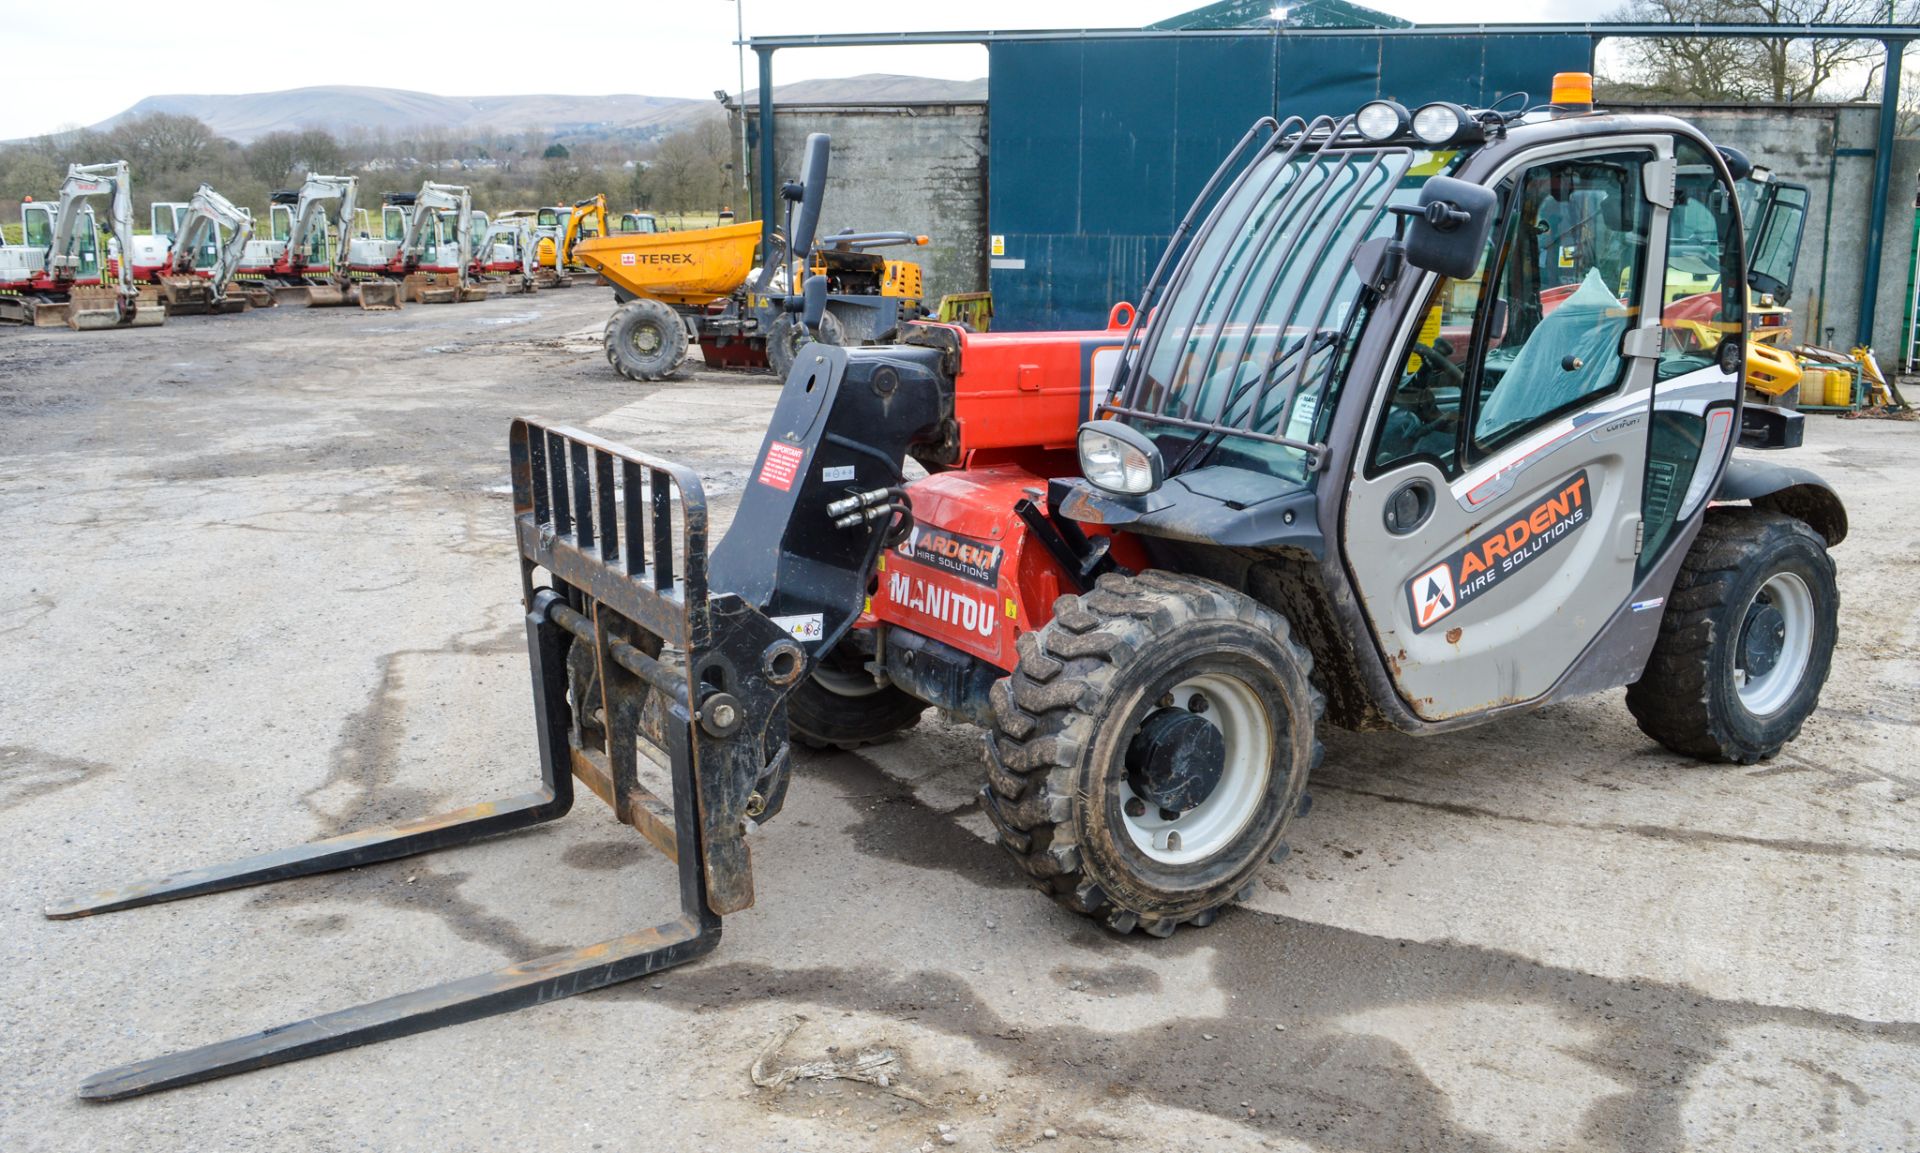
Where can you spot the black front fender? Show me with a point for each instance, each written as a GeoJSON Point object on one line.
{"type": "Point", "coordinates": [1782, 488]}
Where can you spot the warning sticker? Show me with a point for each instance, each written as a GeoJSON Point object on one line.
{"type": "Point", "coordinates": [781, 466]}
{"type": "Point", "coordinates": [1493, 556]}
{"type": "Point", "coordinates": [626, 258]}
{"type": "Point", "coordinates": [804, 627]}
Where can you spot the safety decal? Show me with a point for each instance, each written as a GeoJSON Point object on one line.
{"type": "Point", "coordinates": [782, 466]}
{"type": "Point", "coordinates": [962, 556]}
{"type": "Point", "coordinates": [803, 627]}
{"type": "Point", "coordinates": [1495, 555]}
{"type": "Point", "coordinates": [836, 472]}
{"type": "Point", "coordinates": [627, 258]}
{"type": "Point", "coordinates": [961, 610]}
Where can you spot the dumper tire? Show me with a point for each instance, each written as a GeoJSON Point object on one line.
{"type": "Point", "coordinates": [789, 336]}
{"type": "Point", "coordinates": [646, 340]}
{"type": "Point", "coordinates": [1756, 586]}
{"type": "Point", "coordinates": [841, 706]}
{"type": "Point", "coordinates": [1066, 751]}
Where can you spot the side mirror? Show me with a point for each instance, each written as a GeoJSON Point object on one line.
{"type": "Point", "coordinates": [1449, 226]}
{"type": "Point", "coordinates": [813, 301]}
{"type": "Point", "coordinates": [813, 184]}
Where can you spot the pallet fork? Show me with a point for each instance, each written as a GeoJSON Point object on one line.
{"type": "Point", "coordinates": [613, 558]}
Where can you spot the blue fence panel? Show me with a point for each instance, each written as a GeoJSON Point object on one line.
{"type": "Point", "coordinates": [1098, 146]}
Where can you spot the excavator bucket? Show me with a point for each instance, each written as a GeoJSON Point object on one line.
{"type": "Point", "coordinates": [256, 295]}
{"type": "Point", "coordinates": [187, 295]}
{"type": "Point", "coordinates": [101, 306]}
{"type": "Point", "coordinates": [378, 295]}
{"type": "Point", "coordinates": [429, 288]}
{"type": "Point", "coordinates": [640, 675]}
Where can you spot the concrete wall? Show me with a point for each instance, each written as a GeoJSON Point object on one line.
{"type": "Point", "coordinates": [1829, 148]}
{"type": "Point", "coordinates": [919, 168]}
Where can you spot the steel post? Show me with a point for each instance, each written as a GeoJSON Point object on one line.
{"type": "Point", "coordinates": [768, 197]}
{"type": "Point", "coordinates": [1882, 177]}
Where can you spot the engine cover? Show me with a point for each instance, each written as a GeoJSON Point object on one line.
{"type": "Point", "coordinates": [970, 574]}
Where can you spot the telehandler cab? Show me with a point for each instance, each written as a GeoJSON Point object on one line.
{"type": "Point", "coordinates": [1340, 466]}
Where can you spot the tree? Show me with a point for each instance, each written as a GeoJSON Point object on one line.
{"type": "Point", "coordinates": [1763, 69]}
{"type": "Point", "coordinates": [555, 151]}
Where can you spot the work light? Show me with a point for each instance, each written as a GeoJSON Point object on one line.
{"type": "Point", "coordinates": [1380, 120]}
{"type": "Point", "coordinates": [1439, 123]}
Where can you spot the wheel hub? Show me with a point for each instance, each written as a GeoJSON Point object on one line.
{"type": "Point", "coordinates": [1763, 639]}
{"type": "Point", "coordinates": [1175, 760]}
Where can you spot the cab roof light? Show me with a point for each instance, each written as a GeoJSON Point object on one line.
{"type": "Point", "coordinates": [1573, 91]}
{"type": "Point", "coordinates": [1381, 120]}
{"type": "Point", "coordinates": [1443, 123]}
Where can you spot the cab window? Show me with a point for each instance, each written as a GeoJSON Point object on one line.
{"type": "Point", "coordinates": [1567, 282]}
{"type": "Point", "coordinates": [1703, 296]}
{"type": "Point", "coordinates": [1423, 414]}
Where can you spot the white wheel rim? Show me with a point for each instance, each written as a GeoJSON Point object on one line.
{"type": "Point", "coordinates": [1234, 708]}
{"type": "Point", "coordinates": [1768, 693]}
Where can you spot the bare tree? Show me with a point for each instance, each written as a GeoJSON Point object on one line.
{"type": "Point", "coordinates": [1763, 69]}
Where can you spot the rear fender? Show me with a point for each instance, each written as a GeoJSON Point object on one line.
{"type": "Point", "coordinates": [1782, 488]}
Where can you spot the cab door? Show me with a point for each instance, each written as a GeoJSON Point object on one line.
{"type": "Point", "coordinates": [1493, 520]}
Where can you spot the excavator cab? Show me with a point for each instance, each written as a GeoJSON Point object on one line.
{"type": "Point", "coordinates": [1400, 434]}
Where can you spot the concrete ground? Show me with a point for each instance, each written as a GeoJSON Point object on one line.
{"type": "Point", "coordinates": [259, 587]}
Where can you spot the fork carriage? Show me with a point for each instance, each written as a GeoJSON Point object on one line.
{"type": "Point", "coordinates": [631, 658]}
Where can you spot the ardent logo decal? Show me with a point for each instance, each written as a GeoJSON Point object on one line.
{"type": "Point", "coordinates": [955, 608]}
{"type": "Point", "coordinates": [962, 556]}
{"type": "Point", "coordinates": [1494, 555]}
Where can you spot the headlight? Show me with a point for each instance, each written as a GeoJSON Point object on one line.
{"type": "Point", "coordinates": [1439, 123]}
{"type": "Point", "coordinates": [1118, 458]}
{"type": "Point", "coordinates": [1380, 120]}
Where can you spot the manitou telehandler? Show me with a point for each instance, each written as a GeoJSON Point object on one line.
{"type": "Point", "coordinates": [1339, 466]}
{"type": "Point", "coordinates": [56, 275]}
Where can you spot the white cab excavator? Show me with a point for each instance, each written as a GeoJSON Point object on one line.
{"type": "Point", "coordinates": [209, 240]}
{"type": "Point", "coordinates": [56, 275]}
{"type": "Point", "coordinates": [294, 258]}
{"type": "Point", "coordinates": [426, 248]}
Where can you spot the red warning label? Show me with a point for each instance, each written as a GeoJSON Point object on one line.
{"type": "Point", "coordinates": [781, 466]}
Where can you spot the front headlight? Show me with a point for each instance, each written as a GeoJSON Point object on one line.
{"type": "Point", "coordinates": [1118, 458]}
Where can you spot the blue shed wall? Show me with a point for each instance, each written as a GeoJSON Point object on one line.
{"type": "Point", "coordinates": [1097, 146]}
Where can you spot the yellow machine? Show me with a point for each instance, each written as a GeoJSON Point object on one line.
{"type": "Point", "coordinates": [704, 285]}
{"type": "Point", "coordinates": [561, 228]}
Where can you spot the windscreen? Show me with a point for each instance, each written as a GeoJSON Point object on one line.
{"type": "Point", "coordinates": [1241, 362]}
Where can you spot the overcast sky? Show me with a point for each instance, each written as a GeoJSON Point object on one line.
{"type": "Point", "coordinates": [83, 68]}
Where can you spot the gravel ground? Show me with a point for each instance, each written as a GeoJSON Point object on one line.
{"type": "Point", "coordinates": [262, 589]}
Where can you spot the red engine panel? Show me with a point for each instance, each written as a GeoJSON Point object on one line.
{"type": "Point", "coordinates": [1017, 392]}
{"type": "Point", "coordinates": [970, 576]}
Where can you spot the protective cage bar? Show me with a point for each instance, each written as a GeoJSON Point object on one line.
{"type": "Point", "coordinates": [1312, 196]}
{"type": "Point", "coordinates": [622, 539]}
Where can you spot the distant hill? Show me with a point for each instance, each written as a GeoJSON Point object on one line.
{"type": "Point", "coordinates": [248, 116]}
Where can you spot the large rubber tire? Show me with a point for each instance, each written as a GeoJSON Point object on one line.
{"type": "Point", "coordinates": [646, 340]}
{"type": "Point", "coordinates": [840, 707]}
{"type": "Point", "coordinates": [789, 336]}
{"type": "Point", "coordinates": [1690, 697]}
{"type": "Point", "coordinates": [1057, 785]}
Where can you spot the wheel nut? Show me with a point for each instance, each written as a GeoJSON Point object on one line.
{"type": "Point", "coordinates": [1136, 807]}
{"type": "Point", "coordinates": [1196, 703]}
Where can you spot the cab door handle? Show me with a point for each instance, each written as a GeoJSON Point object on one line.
{"type": "Point", "coordinates": [1409, 507]}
